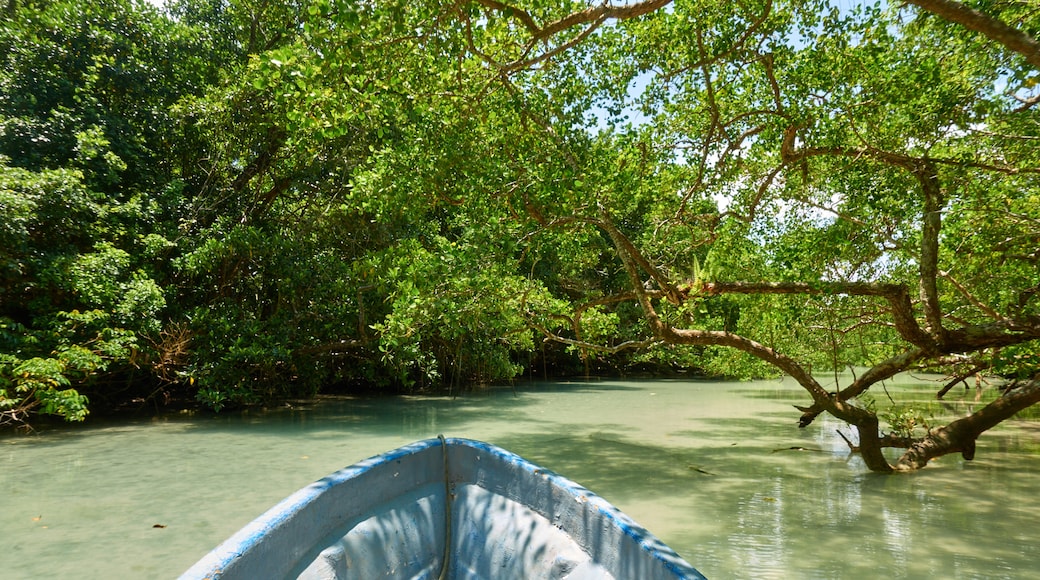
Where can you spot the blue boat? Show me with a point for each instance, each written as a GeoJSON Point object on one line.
{"type": "Point", "coordinates": [439, 509]}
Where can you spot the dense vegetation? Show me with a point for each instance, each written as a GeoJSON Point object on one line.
{"type": "Point", "coordinates": [245, 201]}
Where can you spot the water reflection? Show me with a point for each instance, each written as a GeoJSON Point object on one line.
{"type": "Point", "coordinates": [719, 471]}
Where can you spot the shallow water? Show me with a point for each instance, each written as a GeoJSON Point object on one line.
{"type": "Point", "coordinates": [706, 466]}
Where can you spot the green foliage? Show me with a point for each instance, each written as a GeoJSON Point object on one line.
{"type": "Point", "coordinates": [905, 421]}
{"type": "Point", "coordinates": [448, 321]}
{"type": "Point", "coordinates": [1018, 361]}
{"type": "Point", "coordinates": [83, 345]}
{"type": "Point", "coordinates": [85, 96]}
{"type": "Point", "coordinates": [39, 382]}
{"type": "Point", "coordinates": [255, 200]}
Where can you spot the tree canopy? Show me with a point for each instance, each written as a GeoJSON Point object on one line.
{"type": "Point", "coordinates": [245, 201]}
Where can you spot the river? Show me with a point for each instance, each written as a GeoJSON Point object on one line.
{"type": "Point", "coordinates": [708, 467]}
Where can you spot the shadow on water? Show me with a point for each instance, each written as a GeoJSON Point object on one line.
{"type": "Point", "coordinates": [600, 459]}
{"type": "Point", "coordinates": [339, 414]}
{"type": "Point", "coordinates": [736, 506]}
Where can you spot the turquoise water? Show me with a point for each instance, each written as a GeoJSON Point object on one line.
{"type": "Point", "coordinates": [706, 466]}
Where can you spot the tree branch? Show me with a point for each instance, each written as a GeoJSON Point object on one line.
{"type": "Point", "coordinates": [591, 14]}
{"type": "Point", "coordinates": [592, 18]}
{"type": "Point", "coordinates": [792, 155]}
{"type": "Point", "coordinates": [989, 311]}
{"type": "Point", "coordinates": [884, 370]}
{"type": "Point", "coordinates": [957, 379]}
{"type": "Point", "coordinates": [961, 434]}
{"type": "Point", "coordinates": [897, 296]}
{"type": "Point", "coordinates": [629, 251]}
{"type": "Point", "coordinates": [996, 30]}
{"type": "Point", "coordinates": [276, 139]}
{"type": "Point", "coordinates": [1026, 103]}
{"type": "Point", "coordinates": [929, 259]}
{"type": "Point", "coordinates": [756, 349]}
{"type": "Point", "coordinates": [865, 421]}
{"type": "Point", "coordinates": [525, 63]}
{"type": "Point", "coordinates": [627, 345]}
{"type": "Point", "coordinates": [523, 16]}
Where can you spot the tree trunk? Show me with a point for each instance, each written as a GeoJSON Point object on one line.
{"type": "Point", "coordinates": [870, 446]}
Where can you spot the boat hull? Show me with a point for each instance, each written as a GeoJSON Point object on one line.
{"type": "Point", "coordinates": [389, 517]}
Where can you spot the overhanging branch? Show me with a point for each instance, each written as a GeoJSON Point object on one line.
{"type": "Point", "coordinates": [589, 19]}
{"type": "Point", "coordinates": [897, 295]}
{"type": "Point", "coordinates": [591, 14]}
{"type": "Point", "coordinates": [614, 349]}
{"type": "Point", "coordinates": [996, 30]}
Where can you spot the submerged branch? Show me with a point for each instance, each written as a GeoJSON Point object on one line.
{"type": "Point", "coordinates": [960, 435]}
{"type": "Point", "coordinates": [958, 379]}
{"type": "Point", "coordinates": [889, 440]}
